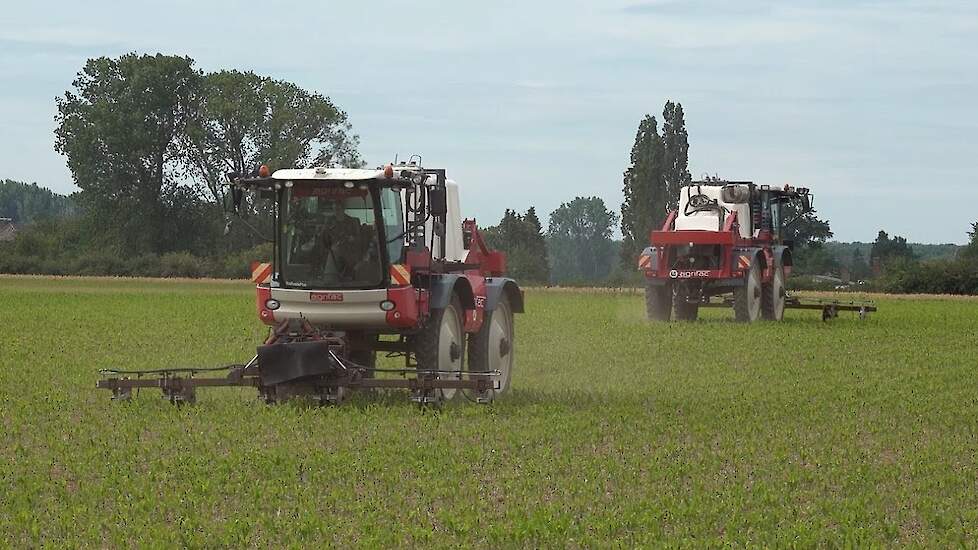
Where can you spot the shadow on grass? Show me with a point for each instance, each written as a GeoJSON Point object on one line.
{"type": "Point", "coordinates": [807, 318]}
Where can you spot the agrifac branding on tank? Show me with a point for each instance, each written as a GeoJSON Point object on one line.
{"type": "Point", "coordinates": [696, 273]}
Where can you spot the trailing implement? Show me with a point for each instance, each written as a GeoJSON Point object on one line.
{"type": "Point", "coordinates": [726, 240]}
{"type": "Point", "coordinates": [366, 262]}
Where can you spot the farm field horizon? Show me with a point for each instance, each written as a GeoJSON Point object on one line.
{"type": "Point", "coordinates": [617, 430]}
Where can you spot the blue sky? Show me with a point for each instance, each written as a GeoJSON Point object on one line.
{"type": "Point", "coordinates": [870, 104]}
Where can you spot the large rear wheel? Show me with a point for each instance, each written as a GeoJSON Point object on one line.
{"type": "Point", "coordinates": [493, 347]}
{"type": "Point", "coordinates": [774, 297]}
{"type": "Point", "coordinates": [658, 302]}
{"type": "Point", "coordinates": [441, 345]}
{"type": "Point", "coordinates": [747, 298]}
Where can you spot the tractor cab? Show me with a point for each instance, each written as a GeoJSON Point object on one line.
{"type": "Point", "coordinates": [349, 243]}
{"type": "Point", "coordinates": [331, 235]}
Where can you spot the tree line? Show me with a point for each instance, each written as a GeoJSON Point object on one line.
{"type": "Point", "coordinates": [25, 203]}
{"type": "Point", "coordinates": [148, 139]}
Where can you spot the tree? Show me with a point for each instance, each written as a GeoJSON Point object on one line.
{"type": "Point", "coordinates": [122, 129]}
{"type": "Point", "coordinates": [970, 251]}
{"type": "Point", "coordinates": [644, 189]}
{"type": "Point", "coordinates": [658, 169]}
{"type": "Point", "coordinates": [676, 145]}
{"type": "Point", "coordinates": [26, 203]}
{"type": "Point", "coordinates": [538, 265]}
{"type": "Point", "coordinates": [149, 139]}
{"type": "Point", "coordinates": [858, 266]}
{"type": "Point", "coordinates": [815, 259]}
{"type": "Point", "coordinates": [887, 252]}
{"type": "Point", "coordinates": [579, 236]}
{"type": "Point", "coordinates": [246, 120]}
{"type": "Point", "coordinates": [521, 238]}
{"type": "Point", "coordinates": [807, 233]}
{"type": "Point", "coordinates": [806, 229]}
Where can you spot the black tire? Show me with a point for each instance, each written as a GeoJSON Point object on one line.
{"type": "Point", "coordinates": [773, 297]}
{"type": "Point", "coordinates": [494, 346]}
{"type": "Point", "coordinates": [434, 352]}
{"type": "Point", "coordinates": [658, 302]}
{"type": "Point", "coordinates": [747, 298]}
{"type": "Point", "coordinates": [683, 310]}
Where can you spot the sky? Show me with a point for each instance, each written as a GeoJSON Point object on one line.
{"type": "Point", "coordinates": [870, 104]}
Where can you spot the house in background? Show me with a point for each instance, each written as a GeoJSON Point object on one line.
{"type": "Point", "coordinates": [7, 229]}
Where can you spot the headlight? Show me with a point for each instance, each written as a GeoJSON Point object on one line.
{"type": "Point", "coordinates": [272, 304]}
{"type": "Point", "coordinates": [387, 305]}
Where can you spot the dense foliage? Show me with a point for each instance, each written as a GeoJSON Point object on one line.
{"type": "Point", "coordinates": [887, 252]}
{"type": "Point", "coordinates": [657, 169]}
{"type": "Point", "coordinates": [26, 203]}
{"type": "Point", "coordinates": [579, 240]}
{"type": "Point", "coordinates": [149, 139]}
{"type": "Point", "coordinates": [808, 234]}
{"type": "Point", "coordinates": [122, 130]}
{"type": "Point", "coordinates": [521, 237]}
{"type": "Point", "coordinates": [903, 272]}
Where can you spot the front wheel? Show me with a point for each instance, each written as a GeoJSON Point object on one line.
{"type": "Point", "coordinates": [747, 298]}
{"type": "Point", "coordinates": [658, 302]}
{"type": "Point", "coordinates": [441, 345]}
{"type": "Point", "coordinates": [493, 347]}
{"type": "Point", "coordinates": [774, 296]}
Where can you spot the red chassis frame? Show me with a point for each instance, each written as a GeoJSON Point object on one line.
{"type": "Point", "coordinates": [736, 255]}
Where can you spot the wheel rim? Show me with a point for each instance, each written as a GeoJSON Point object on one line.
{"type": "Point", "coordinates": [753, 294]}
{"type": "Point", "coordinates": [501, 344]}
{"type": "Point", "coordinates": [779, 296]}
{"type": "Point", "coordinates": [450, 347]}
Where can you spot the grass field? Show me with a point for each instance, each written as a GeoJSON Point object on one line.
{"type": "Point", "coordinates": [617, 431]}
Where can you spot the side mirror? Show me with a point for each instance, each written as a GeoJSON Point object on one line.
{"type": "Point", "coordinates": [438, 201]}
{"type": "Point", "coordinates": [735, 194]}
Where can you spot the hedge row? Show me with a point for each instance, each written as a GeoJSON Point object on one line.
{"type": "Point", "coordinates": [177, 264]}
{"type": "Point", "coordinates": [937, 277]}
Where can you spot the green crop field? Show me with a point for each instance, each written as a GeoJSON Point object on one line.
{"type": "Point", "coordinates": [617, 432]}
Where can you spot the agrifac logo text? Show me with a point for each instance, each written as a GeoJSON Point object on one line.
{"type": "Point", "coordinates": [325, 297]}
{"type": "Point", "coordinates": [691, 274]}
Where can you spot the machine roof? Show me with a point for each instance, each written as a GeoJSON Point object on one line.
{"type": "Point", "coordinates": [349, 174]}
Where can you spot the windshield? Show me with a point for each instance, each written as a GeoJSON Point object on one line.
{"type": "Point", "coordinates": [329, 237]}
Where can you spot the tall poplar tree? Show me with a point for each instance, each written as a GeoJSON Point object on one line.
{"type": "Point", "coordinates": [676, 143]}
{"type": "Point", "coordinates": [644, 190]}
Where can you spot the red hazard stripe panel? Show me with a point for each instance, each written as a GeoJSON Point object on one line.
{"type": "Point", "coordinates": [261, 273]}
{"type": "Point", "coordinates": [400, 275]}
{"type": "Point", "coordinates": [644, 262]}
{"type": "Point", "coordinates": [743, 262]}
